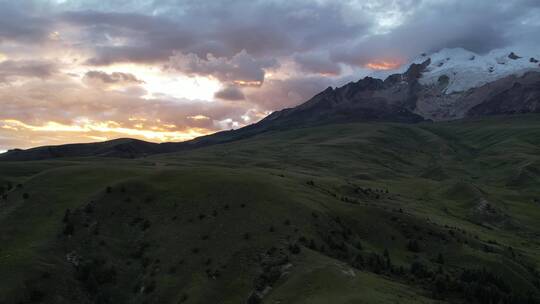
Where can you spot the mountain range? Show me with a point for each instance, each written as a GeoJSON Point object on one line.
{"type": "Point", "coordinates": [419, 188]}
{"type": "Point", "coordinates": [447, 85]}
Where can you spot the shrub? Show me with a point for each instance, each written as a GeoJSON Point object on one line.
{"type": "Point", "coordinates": [183, 298]}
{"type": "Point", "coordinates": [150, 287]}
{"type": "Point", "coordinates": [440, 259]}
{"type": "Point", "coordinates": [294, 248]}
{"type": "Point", "coordinates": [146, 224]}
{"type": "Point", "coordinates": [413, 246]}
{"type": "Point", "coordinates": [66, 216]}
{"type": "Point", "coordinates": [69, 229]}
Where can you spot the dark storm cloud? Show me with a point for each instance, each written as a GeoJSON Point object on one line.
{"type": "Point", "coordinates": [319, 63]}
{"type": "Point", "coordinates": [241, 68]}
{"type": "Point", "coordinates": [19, 21]}
{"type": "Point", "coordinates": [479, 26]}
{"type": "Point", "coordinates": [113, 78]}
{"type": "Point", "coordinates": [230, 93]}
{"type": "Point", "coordinates": [221, 28]}
{"type": "Point", "coordinates": [10, 69]}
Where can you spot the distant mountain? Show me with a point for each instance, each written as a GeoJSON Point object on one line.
{"type": "Point", "coordinates": [124, 148]}
{"type": "Point", "coordinates": [450, 84]}
{"type": "Point", "coordinates": [447, 85]}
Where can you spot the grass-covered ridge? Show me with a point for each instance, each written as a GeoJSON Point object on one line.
{"type": "Point", "coordinates": [350, 213]}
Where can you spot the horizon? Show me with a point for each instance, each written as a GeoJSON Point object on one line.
{"type": "Point", "coordinates": [87, 71]}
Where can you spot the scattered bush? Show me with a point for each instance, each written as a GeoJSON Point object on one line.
{"type": "Point", "coordinates": [440, 259]}
{"type": "Point", "coordinates": [413, 246]}
{"type": "Point", "coordinates": [294, 248]}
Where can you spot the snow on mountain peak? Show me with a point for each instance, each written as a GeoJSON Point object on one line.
{"type": "Point", "coordinates": [466, 69]}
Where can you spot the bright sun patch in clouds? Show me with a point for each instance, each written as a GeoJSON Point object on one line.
{"type": "Point", "coordinates": [158, 83]}
{"type": "Point", "coordinates": [180, 86]}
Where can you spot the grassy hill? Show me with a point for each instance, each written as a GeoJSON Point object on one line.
{"type": "Point", "coordinates": [348, 213]}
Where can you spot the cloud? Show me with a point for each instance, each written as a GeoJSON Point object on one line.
{"type": "Point", "coordinates": [277, 94]}
{"type": "Point", "coordinates": [37, 113]}
{"type": "Point", "coordinates": [13, 69]}
{"type": "Point", "coordinates": [224, 29]}
{"type": "Point", "coordinates": [234, 45]}
{"type": "Point", "coordinates": [230, 93]}
{"type": "Point", "coordinates": [241, 69]}
{"type": "Point", "coordinates": [19, 22]}
{"type": "Point", "coordinates": [117, 78]}
{"type": "Point", "coordinates": [479, 26]}
{"type": "Point", "coordinates": [319, 63]}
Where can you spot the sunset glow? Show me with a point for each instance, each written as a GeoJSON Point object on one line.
{"type": "Point", "coordinates": [383, 65]}
{"type": "Point", "coordinates": [184, 68]}
{"type": "Point", "coordinates": [107, 130]}
{"type": "Point", "coordinates": [248, 83]}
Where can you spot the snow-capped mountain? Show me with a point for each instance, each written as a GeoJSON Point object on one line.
{"type": "Point", "coordinates": [446, 85]}
{"type": "Point", "coordinates": [464, 69]}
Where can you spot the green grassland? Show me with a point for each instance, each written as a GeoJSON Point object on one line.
{"type": "Point", "coordinates": [349, 213]}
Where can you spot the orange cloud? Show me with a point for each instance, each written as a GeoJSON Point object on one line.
{"type": "Point", "coordinates": [383, 65]}
{"type": "Point", "coordinates": [105, 130]}
{"type": "Point", "coordinates": [248, 83]}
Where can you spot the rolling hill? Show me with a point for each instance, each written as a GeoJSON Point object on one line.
{"type": "Point", "coordinates": [372, 212]}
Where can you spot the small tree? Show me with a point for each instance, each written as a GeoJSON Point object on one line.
{"type": "Point", "coordinates": [66, 216]}
{"type": "Point", "coordinates": [413, 246]}
{"type": "Point", "coordinates": [440, 259]}
{"type": "Point", "coordinates": [294, 248]}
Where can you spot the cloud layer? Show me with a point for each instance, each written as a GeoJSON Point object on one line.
{"type": "Point", "coordinates": [169, 70]}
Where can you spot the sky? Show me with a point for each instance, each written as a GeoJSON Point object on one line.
{"type": "Point", "coordinates": [171, 70]}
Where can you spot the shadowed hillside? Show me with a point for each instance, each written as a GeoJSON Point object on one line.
{"type": "Point", "coordinates": [348, 213]}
